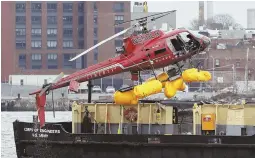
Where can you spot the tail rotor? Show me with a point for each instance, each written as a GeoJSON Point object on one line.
{"type": "Point", "coordinates": [41, 99]}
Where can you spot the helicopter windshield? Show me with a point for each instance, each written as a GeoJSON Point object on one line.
{"type": "Point", "coordinates": [184, 37]}
{"type": "Point", "coordinates": [196, 34]}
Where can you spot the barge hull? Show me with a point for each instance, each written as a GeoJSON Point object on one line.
{"type": "Point", "coordinates": [54, 140]}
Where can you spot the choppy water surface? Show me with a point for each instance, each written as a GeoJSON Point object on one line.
{"type": "Point", "coordinates": [8, 149]}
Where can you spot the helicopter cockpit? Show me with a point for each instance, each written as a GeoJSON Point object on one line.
{"type": "Point", "coordinates": [182, 43]}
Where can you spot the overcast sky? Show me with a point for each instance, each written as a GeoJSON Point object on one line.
{"type": "Point", "coordinates": [188, 10]}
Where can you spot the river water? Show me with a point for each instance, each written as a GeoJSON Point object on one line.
{"type": "Point", "coordinates": [8, 149]}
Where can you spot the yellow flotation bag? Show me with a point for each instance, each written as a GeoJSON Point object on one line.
{"type": "Point", "coordinates": [206, 74]}
{"type": "Point", "coordinates": [190, 75]}
{"type": "Point", "coordinates": [183, 87]}
{"type": "Point", "coordinates": [193, 75]}
{"type": "Point", "coordinates": [148, 88]}
{"type": "Point", "coordinates": [170, 89]}
{"type": "Point", "coordinates": [125, 98]}
{"type": "Point", "coordinates": [178, 83]}
{"type": "Point", "coordinates": [161, 77]}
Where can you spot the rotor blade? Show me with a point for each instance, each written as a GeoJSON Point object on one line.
{"type": "Point", "coordinates": [100, 43]}
{"type": "Point", "coordinates": [137, 19]}
{"type": "Point", "coordinates": [58, 77]}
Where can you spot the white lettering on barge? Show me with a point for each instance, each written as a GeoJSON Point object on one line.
{"type": "Point", "coordinates": [41, 133]}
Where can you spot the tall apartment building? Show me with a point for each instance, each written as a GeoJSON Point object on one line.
{"type": "Point", "coordinates": [41, 37]}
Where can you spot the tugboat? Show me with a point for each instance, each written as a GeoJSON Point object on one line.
{"type": "Point", "coordinates": [149, 129]}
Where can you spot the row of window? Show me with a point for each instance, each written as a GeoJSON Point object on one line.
{"type": "Point", "coordinates": [66, 19]}
{"type": "Point", "coordinates": [50, 44]}
{"type": "Point", "coordinates": [52, 61]}
{"type": "Point", "coordinates": [50, 56]}
{"type": "Point", "coordinates": [53, 44]}
{"type": "Point", "coordinates": [50, 19]}
{"type": "Point", "coordinates": [67, 7]}
{"type": "Point", "coordinates": [117, 7]}
{"type": "Point", "coordinates": [37, 7]}
{"type": "Point", "coordinates": [50, 32]}
{"type": "Point", "coordinates": [66, 31]}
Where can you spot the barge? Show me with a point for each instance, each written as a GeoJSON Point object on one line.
{"type": "Point", "coordinates": [151, 129]}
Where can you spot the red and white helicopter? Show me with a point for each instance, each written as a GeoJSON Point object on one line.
{"type": "Point", "coordinates": [141, 50]}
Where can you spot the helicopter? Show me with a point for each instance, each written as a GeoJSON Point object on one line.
{"type": "Point", "coordinates": [142, 49]}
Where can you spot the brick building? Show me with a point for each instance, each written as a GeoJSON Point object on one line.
{"type": "Point", "coordinates": [229, 63]}
{"type": "Point", "coordinates": [40, 37]}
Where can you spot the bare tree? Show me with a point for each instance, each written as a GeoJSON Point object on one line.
{"type": "Point", "coordinates": [194, 24]}
{"type": "Point", "coordinates": [219, 21]}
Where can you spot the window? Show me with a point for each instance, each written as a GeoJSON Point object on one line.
{"type": "Point", "coordinates": [21, 82]}
{"type": "Point", "coordinates": [81, 20]}
{"type": "Point", "coordinates": [36, 19]}
{"type": "Point", "coordinates": [52, 32]}
{"type": "Point", "coordinates": [118, 7]}
{"type": "Point", "coordinates": [52, 56]}
{"type": "Point", "coordinates": [67, 32]}
{"type": "Point", "coordinates": [119, 29]}
{"type": "Point", "coordinates": [36, 44]}
{"type": "Point", "coordinates": [67, 19]}
{"type": "Point", "coordinates": [238, 64]}
{"type": "Point", "coordinates": [22, 61]}
{"type": "Point", "coordinates": [66, 63]}
{"type": "Point", "coordinates": [51, 44]}
{"type": "Point", "coordinates": [81, 7]}
{"type": "Point", "coordinates": [67, 44]}
{"type": "Point", "coordinates": [81, 32]}
{"type": "Point", "coordinates": [95, 20]}
{"type": "Point", "coordinates": [95, 32]}
{"type": "Point", "coordinates": [36, 61]}
{"type": "Point", "coordinates": [20, 32]}
{"type": "Point", "coordinates": [20, 19]}
{"type": "Point", "coordinates": [52, 66]}
{"type": "Point", "coordinates": [52, 20]}
{"type": "Point", "coordinates": [95, 42]}
{"type": "Point", "coordinates": [36, 7]}
{"type": "Point", "coordinates": [81, 44]}
{"type": "Point", "coordinates": [51, 7]}
{"type": "Point", "coordinates": [217, 62]}
{"type": "Point", "coordinates": [67, 7]}
{"type": "Point", "coordinates": [118, 43]}
{"type": "Point", "coordinates": [119, 19]}
{"type": "Point", "coordinates": [95, 57]}
{"type": "Point", "coordinates": [36, 32]}
{"type": "Point", "coordinates": [36, 57]}
{"type": "Point", "coordinates": [20, 44]}
{"type": "Point", "coordinates": [95, 6]}
{"type": "Point", "coordinates": [52, 61]}
{"type": "Point", "coordinates": [20, 7]}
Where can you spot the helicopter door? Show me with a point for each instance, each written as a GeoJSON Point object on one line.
{"type": "Point", "coordinates": [174, 45]}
